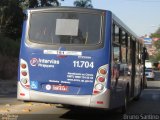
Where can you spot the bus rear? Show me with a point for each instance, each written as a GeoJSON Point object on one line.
{"type": "Point", "coordinates": [65, 56]}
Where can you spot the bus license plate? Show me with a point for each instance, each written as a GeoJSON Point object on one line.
{"type": "Point", "coordinates": [60, 88]}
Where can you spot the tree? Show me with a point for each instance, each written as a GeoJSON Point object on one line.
{"type": "Point", "coordinates": [39, 3]}
{"type": "Point", "coordinates": [11, 14]}
{"type": "Point", "coordinates": [156, 34]}
{"type": "Point", "coordinates": [28, 3]}
{"type": "Point", "coordinates": [157, 44]}
{"type": "Point", "coordinates": [156, 57]}
{"type": "Point", "coordinates": [11, 17]}
{"type": "Point", "coordinates": [83, 3]}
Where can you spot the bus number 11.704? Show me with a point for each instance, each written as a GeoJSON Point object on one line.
{"type": "Point", "coordinates": [85, 64]}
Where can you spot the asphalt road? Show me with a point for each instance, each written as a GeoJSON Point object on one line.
{"type": "Point", "coordinates": [147, 108]}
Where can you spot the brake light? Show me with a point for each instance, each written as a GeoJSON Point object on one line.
{"type": "Point", "coordinates": [102, 71]}
{"type": "Point", "coordinates": [23, 66]}
{"type": "Point", "coordinates": [101, 80]}
{"type": "Point", "coordinates": [24, 74]}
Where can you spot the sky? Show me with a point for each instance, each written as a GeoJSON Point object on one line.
{"type": "Point", "coordinates": [141, 16]}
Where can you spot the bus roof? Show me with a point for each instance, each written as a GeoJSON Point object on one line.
{"type": "Point", "coordinates": [66, 8]}
{"type": "Point", "coordinates": [125, 27]}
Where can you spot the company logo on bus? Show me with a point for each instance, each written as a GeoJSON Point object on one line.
{"type": "Point", "coordinates": [34, 61]}
{"type": "Point", "coordinates": [45, 63]}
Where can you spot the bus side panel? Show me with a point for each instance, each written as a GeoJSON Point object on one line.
{"type": "Point", "coordinates": [113, 97]}
{"type": "Point", "coordinates": [102, 100]}
{"type": "Point", "coordinates": [117, 84]}
{"type": "Point", "coordinates": [22, 92]}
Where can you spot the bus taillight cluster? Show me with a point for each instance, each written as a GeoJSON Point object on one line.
{"type": "Point", "coordinates": [24, 77]}
{"type": "Point", "coordinates": [100, 82]}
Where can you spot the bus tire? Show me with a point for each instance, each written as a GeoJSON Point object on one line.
{"type": "Point", "coordinates": [126, 99]}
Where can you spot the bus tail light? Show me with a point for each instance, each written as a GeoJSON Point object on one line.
{"type": "Point", "coordinates": [24, 73]}
{"type": "Point", "coordinates": [102, 71]}
{"type": "Point", "coordinates": [101, 80]}
{"type": "Point", "coordinates": [23, 66]}
{"type": "Point", "coordinates": [24, 76]}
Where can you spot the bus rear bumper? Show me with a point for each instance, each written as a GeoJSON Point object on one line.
{"type": "Point", "coordinates": [83, 100]}
{"type": "Point", "coordinates": [94, 101]}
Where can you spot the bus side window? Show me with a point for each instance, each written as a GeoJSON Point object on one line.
{"type": "Point", "coordinates": [115, 61]}
{"type": "Point", "coordinates": [117, 34]}
{"type": "Point", "coordinates": [123, 52]}
{"type": "Point", "coordinates": [116, 53]}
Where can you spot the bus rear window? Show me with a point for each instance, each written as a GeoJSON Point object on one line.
{"type": "Point", "coordinates": [65, 28]}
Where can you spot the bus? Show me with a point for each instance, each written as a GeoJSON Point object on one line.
{"type": "Point", "coordinates": [80, 57]}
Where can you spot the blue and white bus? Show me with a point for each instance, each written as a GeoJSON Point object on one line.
{"type": "Point", "coordinates": [81, 57]}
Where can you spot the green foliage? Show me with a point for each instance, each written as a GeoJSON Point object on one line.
{"type": "Point", "coordinates": [157, 44]}
{"type": "Point", "coordinates": [9, 47]}
{"type": "Point", "coordinates": [156, 34]}
{"type": "Point", "coordinates": [11, 14]}
{"type": "Point", "coordinates": [25, 4]}
{"type": "Point", "coordinates": [11, 18]}
{"type": "Point", "coordinates": [156, 57]}
{"type": "Point", "coordinates": [39, 3]}
{"type": "Point", "coordinates": [83, 3]}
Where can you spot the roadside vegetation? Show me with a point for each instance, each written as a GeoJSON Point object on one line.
{"type": "Point", "coordinates": [156, 56]}
{"type": "Point", "coordinates": [11, 20]}
{"type": "Point", "coordinates": [9, 51]}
